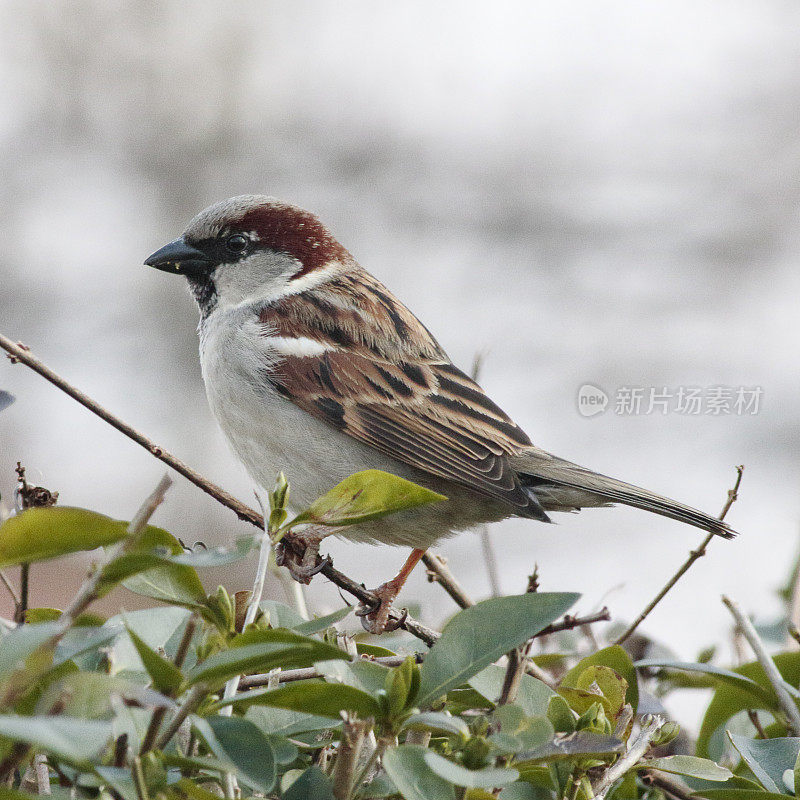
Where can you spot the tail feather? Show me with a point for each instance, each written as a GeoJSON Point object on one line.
{"type": "Point", "coordinates": [544, 475]}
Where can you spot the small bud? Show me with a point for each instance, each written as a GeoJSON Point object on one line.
{"type": "Point", "coordinates": [669, 732]}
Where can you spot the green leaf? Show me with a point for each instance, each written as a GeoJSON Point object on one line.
{"type": "Point", "coordinates": [239, 742]}
{"type": "Point", "coordinates": [321, 623]}
{"type": "Point", "coordinates": [261, 651]}
{"type": "Point", "coordinates": [33, 616]}
{"type": "Point", "coordinates": [280, 721]}
{"type": "Point", "coordinates": [488, 778]}
{"type": "Point", "coordinates": [739, 794]}
{"type": "Point", "coordinates": [533, 695]}
{"type": "Point", "coordinates": [617, 659]}
{"type": "Point", "coordinates": [41, 533]}
{"type": "Point", "coordinates": [322, 699]}
{"type": "Point", "coordinates": [78, 741]}
{"type": "Point", "coordinates": [438, 721]}
{"type": "Point", "coordinates": [166, 677]}
{"type": "Point", "coordinates": [479, 635]}
{"type": "Point", "coordinates": [216, 556]}
{"type": "Point", "coordinates": [280, 615]}
{"type": "Point", "coordinates": [120, 779]}
{"type": "Point", "coordinates": [365, 675]}
{"type": "Point", "coordinates": [691, 766]}
{"type": "Point", "coordinates": [415, 780]}
{"type": "Point", "coordinates": [313, 784]}
{"type": "Point", "coordinates": [593, 684]}
{"type": "Point", "coordinates": [581, 743]}
{"type": "Point", "coordinates": [157, 627]}
{"type": "Point", "coordinates": [717, 674]}
{"type": "Point", "coordinates": [19, 644]}
{"type": "Point", "coordinates": [732, 698]}
{"type": "Point", "coordinates": [92, 695]}
{"type": "Point", "coordinates": [157, 575]}
{"type": "Point", "coordinates": [365, 496]}
{"type": "Point", "coordinates": [768, 759]}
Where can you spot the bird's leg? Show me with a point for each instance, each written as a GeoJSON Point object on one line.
{"type": "Point", "coordinates": [303, 567]}
{"type": "Point", "coordinates": [375, 619]}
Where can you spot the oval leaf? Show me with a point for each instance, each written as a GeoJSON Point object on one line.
{"type": "Point", "coordinates": [365, 496]}
{"type": "Point", "coordinates": [239, 742]}
{"type": "Point", "coordinates": [261, 651]}
{"type": "Point", "coordinates": [321, 699]}
{"type": "Point", "coordinates": [479, 635]}
{"type": "Point", "coordinates": [489, 778]}
{"type": "Point", "coordinates": [691, 766]}
{"type": "Point", "coordinates": [617, 659]}
{"type": "Point", "coordinates": [415, 780]}
{"type": "Point", "coordinates": [41, 533]}
{"type": "Point", "coordinates": [69, 738]}
{"type": "Point", "coordinates": [768, 759]}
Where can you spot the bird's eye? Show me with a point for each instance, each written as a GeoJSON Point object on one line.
{"type": "Point", "coordinates": [236, 243]}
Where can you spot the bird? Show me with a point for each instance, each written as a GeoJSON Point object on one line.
{"type": "Point", "coordinates": [311, 365]}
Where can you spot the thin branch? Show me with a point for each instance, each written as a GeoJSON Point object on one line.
{"type": "Point", "coordinates": [192, 702]}
{"type": "Point", "coordinates": [517, 659]}
{"type": "Point", "coordinates": [733, 494]}
{"type": "Point", "coordinates": [569, 622]}
{"type": "Point", "coordinates": [232, 686]}
{"type": "Point", "coordinates": [343, 779]}
{"type": "Point", "coordinates": [20, 353]}
{"type": "Point", "coordinates": [88, 592]}
{"type": "Point", "coordinates": [636, 749]}
{"type": "Point", "coordinates": [785, 701]}
{"type": "Point", "coordinates": [306, 673]}
{"type": "Point", "coordinates": [490, 560]}
{"type": "Point", "coordinates": [669, 785]}
{"type": "Point", "coordinates": [10, 588]}
{"type": "Point", "coordinates": [439, 572]}
{"type": "Point", "coordinates": [161, 711]}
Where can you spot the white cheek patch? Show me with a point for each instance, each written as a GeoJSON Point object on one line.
{"type": "Point", "coordinates": [299, 346]}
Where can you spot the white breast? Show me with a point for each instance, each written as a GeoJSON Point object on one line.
{"type": "Point", "coordinates": [267, 431]}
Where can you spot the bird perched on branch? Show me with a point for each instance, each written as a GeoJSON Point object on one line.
{"type": "Point", "coordinates": [312, 365]}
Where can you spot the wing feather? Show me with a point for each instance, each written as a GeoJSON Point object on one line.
{"type": "Point", "coordinates": [385, 381]}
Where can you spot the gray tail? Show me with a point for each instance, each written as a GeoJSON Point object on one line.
{"type": "Point", "coordinates": [561, 485]}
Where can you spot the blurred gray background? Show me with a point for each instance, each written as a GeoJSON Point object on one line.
{"type": "Point", "coordinates": [586, 193]}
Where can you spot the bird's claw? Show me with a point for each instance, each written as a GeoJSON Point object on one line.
{"type": "Point", "coordinates": [301, 568]}
{"type": "Point", "coordinates": [375, 616]}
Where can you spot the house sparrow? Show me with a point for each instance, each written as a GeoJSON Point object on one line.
{"type": "Point", "coordinates": [312, 365]}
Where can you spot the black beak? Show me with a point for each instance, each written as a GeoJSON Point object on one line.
{"type": "Point", "coordinates": [180, 258]}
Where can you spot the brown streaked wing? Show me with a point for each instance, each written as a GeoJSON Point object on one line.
{"type": "Point", "coordinates": [422, 410]}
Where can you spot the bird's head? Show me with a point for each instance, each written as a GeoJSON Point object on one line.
{"type": "Point", "coordinates": [250, 246]}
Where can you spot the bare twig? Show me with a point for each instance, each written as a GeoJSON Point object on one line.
{"type": "Point", "coordinates": [439, 572]}
{"type": "Point", "coordinates": [785, 701]}
{"type": "Point", "coordinates": [515, 669]}
{"type": "Point", "coordinates": [192, 702]}
{"type": "Point", "coordinates": [569, 622]}
{"type": "Point", "coordinates": [232, 686]}
{"type": "Point", "coordinates": [306, 673]}
{"type": "Point", "coordinates": [490, 560]}
{"type": "Point", "coordinates": [10, 589]}
{"type": "Point", "coordinates": [753, 716]}
{"type": "Point", "coordinates": [20, 353]}
{"type": "Point", "coordinates": [636, 749]}
{"type": "Point", "coordinates": [672, 787]}
{"type": "Point", "coordinates": [693, 556]}
{"type": "Point", "coordinates": [353, 733]}
{"type": "Point", "coordinates": [88, 592]}
{"type": "Point", "coordinates": [160, 712]}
